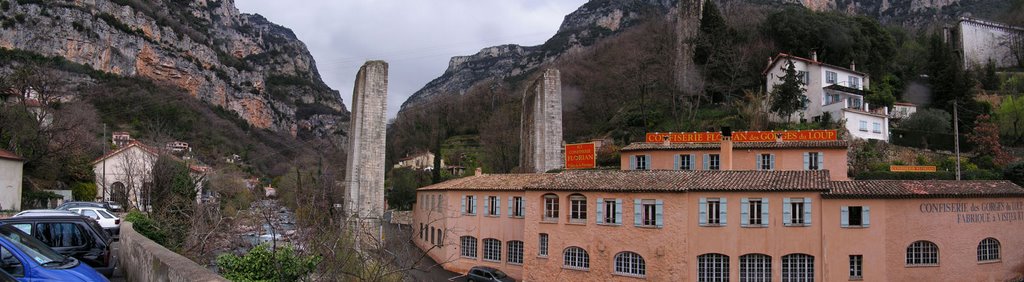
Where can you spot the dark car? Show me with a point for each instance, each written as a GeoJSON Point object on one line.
{"type": "Point", "coordinates": [488, 274]}
{"type": "Point", "coordinates": [25, 257]}
{"type": "Point", "coordinates": [71, 235]}
{"type": "Point", "coordinates": [76, 204]}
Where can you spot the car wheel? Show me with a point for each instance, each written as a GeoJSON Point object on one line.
{"type": "Point", "coordinates": [471, 280]}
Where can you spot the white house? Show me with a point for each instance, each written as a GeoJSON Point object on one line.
{"type": "Point", "coordinates": [125, 175]}
{"type": "Point", "coordinates": [10, 180]}
{"type": "Point", "coordinates": [901, 110]}
{"type": "Point", "coordinates": [834, 90]}
{"type": "Point", "coordinates": [421, 161]}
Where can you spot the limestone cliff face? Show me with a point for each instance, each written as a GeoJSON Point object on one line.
{"type": "Point", "coordinates": [584, 27]}
{"type": "Point", "coordinates": [241, 62]}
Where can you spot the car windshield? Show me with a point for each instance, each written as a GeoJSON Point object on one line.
{"type": "Point", "coordinates": [105, 214]}
{"type": "Point", "coordinates": [30, 245]}
{"type": "Point", "coordinates": [99, 230]}
{"type": "Point", "coordinates": [498, 274]}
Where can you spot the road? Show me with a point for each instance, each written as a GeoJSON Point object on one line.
{"type": "Point", "coordinates": [422, 268]}
{"type": "Point", "coordinates": [118, 276]}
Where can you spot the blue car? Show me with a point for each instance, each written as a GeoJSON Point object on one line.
{"type": "Point", "coordinates": [29, 260]}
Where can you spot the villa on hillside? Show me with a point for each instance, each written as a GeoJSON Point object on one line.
{"type": "Point", "coordinates": [125, 175]}
{"type": "Point", "coordinates": [835, 90]}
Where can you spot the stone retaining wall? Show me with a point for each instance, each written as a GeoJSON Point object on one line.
{"type": "Point", "coordinates": [141, 259]}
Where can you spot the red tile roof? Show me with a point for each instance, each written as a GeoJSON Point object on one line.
{"type": "Point", "coordinates": [923, 189]}
{"type": "Point", "coordinates": [133, 143]}
{"type": "Point", "coordinates": [511, 182]}
{"type": "Point", "coordinates": [7, 155]}
{"type": "Point", "coordinates": [684, 181]}
{"type": "Point", "coordinates": [806, 60]}
{"type": "Point", "coordinates": [643, 146]}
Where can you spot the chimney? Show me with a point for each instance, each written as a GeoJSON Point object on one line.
{"type": "Point", "coordinates": [725, 156]}
{"type": "Point", "coordinates": [666, 140]}
{"type": "Point", "coordinates": [853, 66]}
{"type": "Point", "coordinates": [814, 56]}
{"type": "Point", "coordinates": [478, 172]}
{"type": "Point", "coordinates": [770, 61]}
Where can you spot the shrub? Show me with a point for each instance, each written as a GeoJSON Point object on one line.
{"type": "Point", "coordinates": [83, 191]}
{"type": "Point", "coordinates": [262, 264]}
{"type": "Point", "coordinates": [146, 226]}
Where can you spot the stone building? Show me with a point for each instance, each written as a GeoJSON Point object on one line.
{"type": "Point", "coordinates": [540, 149]}
{"type": "Point", "coordinates": [11, 174]}
{"type": "Point", "coordinates": [364, 173]}
{"type": "Point", "coordinates": [669, 224]}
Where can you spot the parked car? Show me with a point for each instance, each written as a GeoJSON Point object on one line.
{"type": "Point", "coordinates": [114, 206]}
{"type": "Point", "coordinates": [42, 212]}
{"type": "Point", "coordinates": [77, 204]}
{"type": "Point", "coordinates": [25, 258]}
{"type": "Point", "coordinates": [71, 235]}
{"type": "Point", "coordinates": [107, 220]}
{"type": "Point", "coordinates": [488, 274]}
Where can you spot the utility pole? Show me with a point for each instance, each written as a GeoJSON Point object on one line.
{"type": "Point", "coordinates": [956, 138]}
{"type": "Point", "coordinates": [105, 147]}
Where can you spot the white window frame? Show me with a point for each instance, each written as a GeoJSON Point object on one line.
{"type": "Point", "coordinates": [713, 267]}
{"type": "Point", "coordinates": [988, 250]}
{"type": "Point", "coordinates": [714, 162]}
{"type": "Point", "coordinates": [797, 268]}
{"type": "Point", "coordinates": [542, 242]}
{"type": "Point", "coordinates": [470, 204]}
{"type": "Point", "coordinates": [492, 250]}
{"type": "Point", "coordinates": [685, 162]}
{"type": "Point", "coordinates": [515, 252]}
{"type": "Point", "coordinates": [922, 253]}
{"type": "Point", "coordinates": [575, 258]}
{"type": "Point", "coordinates": [630, 264]}
{"type": "Point", "coordinates": [609, 211]}
{"type": "Point", "coordinates": [813, 161]}
{"type": "Point", "coordinates": [854, 82]}
{"type": "Point", "coordinates": [641, 162]}
{"type": "Point", "coordinates": [577, 209]}
{"type": "Point", "coordinates": [550, 208]}
{"type": "Point", "coordinates": [754, 206]}
{"type": "Point", "coordinates": [493, 206]}
{"type": "Point", "coordinates": [831, 77]}
{"type": "Point", "coordinates": [714, 211]}
{"type": "Point", "coordinates": [755, 268]}
{"type": "Point", "coordinates": [876, 127]}
{"type": "Point", "coordinates": [517, 207]}
{"type": "Point", "coordinates": [765, 161]}
{"type": "Point", "coordinates": [649, 213]}
{"type": "Point", "coordinates": [856, 267]}
{"type": "Point", "coordinates": [468, 246]}
{"type": "Point", "coordinates": [863, 126]}
{"type": "Point", "coordinates": [797, 212]}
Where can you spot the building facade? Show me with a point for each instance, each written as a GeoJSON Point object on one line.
{"type": "Point", "coordinates": [11, 174]}
{"type": "Point", "coordinates": [833, 92]}
{"type": "Point", "coordinates": [979, 41]}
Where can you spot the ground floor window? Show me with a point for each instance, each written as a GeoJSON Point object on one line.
{"type": "Point", "coordinates": [923, 253]}
{"type": "Point", "coordinates": [630, 263]}
{"type": "Point", "coordinates": [988, 250]}
{"type": "Point", "coordinates": [492, 249]}
{"type": "Point", "coordinates": [576, 258]}
{"type": "Point", "coordinates": [797, 268]}
{"type": "Point", "coordinates": [468, 246]}
{"type": "Point", "coordinates": [543, 242]}
{"type": "Point", "coordinates": [755, 268]}
{"type": "Point", "coordinates": [515, 252]}
{"type": "Point", "coordinates": [713, 267]}
{"type": "Point", "coordinates": [856, 267]}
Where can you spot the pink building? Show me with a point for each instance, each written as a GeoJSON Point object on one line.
{"type": "Point", "coordinates": [664, 225]}
{"type": "Point", "coordinates": [784, 156]}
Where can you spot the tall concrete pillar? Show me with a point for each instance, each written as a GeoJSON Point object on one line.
{"type": "Point", "coordinates": [540, 149]}
{"type": "Point", "coordinates": [364, 171]}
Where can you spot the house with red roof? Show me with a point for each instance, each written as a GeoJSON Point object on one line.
{"type": "Point", "coordinates": [125, 175]}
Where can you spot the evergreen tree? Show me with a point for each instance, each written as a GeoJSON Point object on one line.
{"type": "Point", "coordinates": [788, 97]}
{"type": "Point", "coordinates": [947, 78]}
{"type": "Point", "coordinates": [715, 53]}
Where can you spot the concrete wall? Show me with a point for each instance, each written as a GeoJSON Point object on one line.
{"type": "Point", "coordinates": [364, 170]}
{"type": "Point", "coordinates": [541, 133]}
{"type": "Point", "coordinates": [10, 184]}
{"type": "Point", "coordinates": [982, 41]}
{"type": "Point", "coordinates": [144, 260]}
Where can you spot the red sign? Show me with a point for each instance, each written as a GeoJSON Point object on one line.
{"type": "Point", "coordinates": [578, 156]}
{"type": "Point", "coordinates": [744, 136]}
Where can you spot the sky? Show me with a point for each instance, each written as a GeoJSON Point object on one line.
{"type": "Point", "coordinates": [416, 38]}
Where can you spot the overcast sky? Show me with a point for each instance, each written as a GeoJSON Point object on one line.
{"type": "Point", "coordinates": [416, 38]}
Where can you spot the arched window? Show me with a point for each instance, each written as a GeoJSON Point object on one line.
{"type": "Point", "coordinates": [797, 268]}
{"type": "Point", "coordinates": [712, 267]}
{"type": "Point", "coordinates": [576, 258]}
{"type": "Point", "coordinates": [492, 249]}
{"type": "Point", "coordinates": [440, 238]}
{"type": "Point", "coordinates": [923, 253]}
{"type": "Point", "coordinates": [755, 268]}
{"type": "Point", "coordinates": [120, 194]}
{"type": "Point", "coordinates": [515, 252]}
{"type": "Point", "coordinates": [468, 246]}
{"type": "Point", "coordinates": [988, 249]}
{"type": "Point", "coordinates": [630, 263]}
{"type": "Point", "coordinates": [577, 208]}
{"type": "Point", "coordinates": [550, 207]}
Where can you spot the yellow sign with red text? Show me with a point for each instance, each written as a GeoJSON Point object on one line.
{"type": "Point", "coordinates": [580, 156]}
{"type": "Point", "coordinates": [743, 136]}
{"type": "Point", "coordinates": [912, 168]}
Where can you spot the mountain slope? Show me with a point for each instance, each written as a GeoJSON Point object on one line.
{"type": "Point", "coordinates": [240, 62]}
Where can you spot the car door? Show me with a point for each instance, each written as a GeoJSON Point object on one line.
{"type": "Point", "coordinates": [68, 238]}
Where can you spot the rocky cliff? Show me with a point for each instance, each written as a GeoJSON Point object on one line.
{"type": "Point", "coordinates": [240, 62]}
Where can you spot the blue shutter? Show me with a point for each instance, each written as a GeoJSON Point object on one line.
{"type": "Point", "coordinates": [707, 165]}
{"type": "Point", "coordinates": [844, 216]}
{"type": "Point", "coordinates": [463, 208]}
{"type": "Point", "coordinates": [648, 162]}
{"type": "Point", "coordinates": [744, 212]}
{"type": "Point", "coordinates": [821, 160]}
{"type": "Point", "coordinates": [764, 211]}
{"type": "Point", "coordinates": [487, 206]}
{"type": "Point", "coordinates": [703, 219]}
{"type": "Point", "coordinates": [618, 211]}
{"type": "Point", "coordinates": [676, 163]}
{"type": "Point", "coordinates": [522, 207]}
{"type": "Point", "coordinates": [691, 162]}
{"type": "Point", "coordinates": [658, 212]}
{"type": "Point", "coordinates": [722, 214]}
{"type": "Point", "coordinates": [497, 205]}
{"type": "Point", "coordinates": [771, 162]}
{"type": "Point", "coordinates": [866, 216]}
{"type": "Point", "coordinates": [510, 206]}
{"type": "Point", "coordinates": [787, 212]}
{"type": "Point", "coordinates": [632, 162]}
{"type": "Point", "coordinates": [757, 161]}
{"type": "Point", "coordinates": [807, 161]}
{"type": "Point", "coordinates": [600, 210]}
{"type": "Point", "coordinates": [636, 213]}
{"type": "Point", "coordinates": [473, 204]}
{"type": "Point", "coordinates": [807, 211]}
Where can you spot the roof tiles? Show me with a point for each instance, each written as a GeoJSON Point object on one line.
{"type": "Point", "coordinates": [7, 155]}
{"type": "Point", "coordinates": [923, 189]}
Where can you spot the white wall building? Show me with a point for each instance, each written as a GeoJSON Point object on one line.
{"type": "Point", "coordinates": [981, 41]}
{"type": "Point", "coordinates": [902, 110]}
{"type": "Point", "coordinates": [831, 89]}
{"type": "Point", "coordinates": [122, 174]}
{"type": "Point", "coordinates": [11, 174]}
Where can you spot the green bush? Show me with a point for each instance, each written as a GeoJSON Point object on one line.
{"type": "Point", "coordinates": [83, 191]}
{"type": "Point", "coordinates": [146, 226]}
{"type": "Point", "coordinates": [262, 264]}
